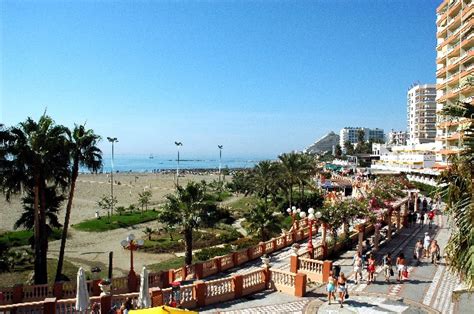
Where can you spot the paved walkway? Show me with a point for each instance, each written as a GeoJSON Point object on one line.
{"type": "Point", "coordinates": [429, 287]}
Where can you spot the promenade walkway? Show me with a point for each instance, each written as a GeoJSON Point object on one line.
{"type": "Point", "coordinates": [428, 289]}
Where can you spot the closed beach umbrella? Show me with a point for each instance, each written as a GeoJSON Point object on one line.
{"type": "Point", "coordinates": [144, 299]}
{"type": "Point", "coordinates": [82, 295]}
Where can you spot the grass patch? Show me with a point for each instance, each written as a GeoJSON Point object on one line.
{"type": "Point", "coordinates": [174, 263]}
{"type": "Point", "coordinates": [23, 274]}
{"type": "Point", "coordinates": [116, 221]}
{"type": "Point", "coordinates": [242, 205]}
{"type": "Point", "coordinates": [22, 237]}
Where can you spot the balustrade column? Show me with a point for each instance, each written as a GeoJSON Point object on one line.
{"type": "Point", "coordinates": [105, 303]}
{"type": "Point", "coordinates": [17, 294]}
{"type": "Point", "coordinates": [294, 263]}
{"type": "Point", "coordinates": [266, 276]}
{"type": "Point", "coordinates": [238, 285]}
{"type": "Point", "coordinates": [49, 306]}
{"type": "Point", "coordinates": [200, 287]}
{"type": "Point", "coordinates": [300, 285]}
{"type": "Point", "coordinates": [156, 297]}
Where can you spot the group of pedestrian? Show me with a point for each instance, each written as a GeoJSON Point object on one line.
{"type": "Point", "coordinates": [427, 248]}
{"type": "Point", "coordinates": [387, 264]}
{"type": "Point", "coordinates": [337, 282]}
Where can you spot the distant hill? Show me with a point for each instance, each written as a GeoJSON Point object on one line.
{"type": "Point", "coordinates": [324, 144]}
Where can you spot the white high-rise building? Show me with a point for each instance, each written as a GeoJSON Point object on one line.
{"type": "Point", "coordinates": [421, 114]}
{"type": "Point", "coordinates": [350, 134]}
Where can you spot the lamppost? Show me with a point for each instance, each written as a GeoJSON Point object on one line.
{"type": "Point", "coordinates": [292, 212]}
{"type": "Point", "coordinates": [311, 217]}
{"type": "Point", "coordinates": [112, 140]}
{"type": "Point", "coordinates": [220, 160]}
{"type": "Point", "coordinates": [131, 244]}
{"type": "Point", "coordinates": [178, 144]}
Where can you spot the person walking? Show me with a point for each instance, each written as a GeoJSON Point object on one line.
{"type": "Point", "coordinates": [387, 266]}
{"type": "Point", "coordinates": [331, 288]}
{"type": "Point", "coordinates": [426, 244]}
{"type": "Point", "coordinates": [434, 252]}
{"type": "Point", "coordinates": [418, 253]}
{"type": "Point", "coordinates": [358, 263]}
{"type": "Point", "coordinates": [341, 287]}
{"type": "Point", "coordinates": [419, 217]}
{"type": "Point", "coordinates": [430, 219]}
{"type": "Point", "coordinates": [401, 266]}
{"type": "Point", "coordinates": [371, 269]}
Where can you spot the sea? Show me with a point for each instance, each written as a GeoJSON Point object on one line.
{"type": "Point", "coordinates": [151, 163]}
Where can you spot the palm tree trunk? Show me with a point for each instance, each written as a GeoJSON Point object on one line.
{"type": "Point", "coordinates": [75, 171]}
{"type": "Point", "coordinates": [43, 241]}
{"type": "Point", "coordinates": [38, 267]}
{"type": "Point", "coordinates": [291, 195]}
{"type": "Point", "coordinates": [188, 242]}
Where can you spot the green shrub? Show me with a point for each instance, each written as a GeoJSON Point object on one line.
{"type": "Point", "coordinates": [208, 253]}
{"type": "Point", "coordinates": [115, 221]}
{"type": "Point", "coordinates": [244, 243]}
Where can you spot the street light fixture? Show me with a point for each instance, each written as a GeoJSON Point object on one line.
{"type": "Point", "coordinates": [131, 244]}
{"type": "Point", "coordinates": [112, 140]}
{"type": "Point", "coordinates": [292, 212]}
{"type": "Point", "coordinates": [178, 144]}
{"type": "Point", "coordinates": [311, 217]}
{"type": "Point", "coordinates": [220, 160]}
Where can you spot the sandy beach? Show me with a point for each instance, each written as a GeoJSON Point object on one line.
{"type": "Point", "coordinates": [90, 187]}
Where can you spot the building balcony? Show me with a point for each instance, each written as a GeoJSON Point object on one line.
{"type": "Point", "coordinates": [454, 51]}
{"type": "Point", "coordinates": [468, 41]}
{"type": "Point", "coordinates": [443, 7]}
{"type": "Point", "coordinates": [450, 150]}
{"type": "Point", "coordinates": [449, 136]}
{"type": "Point", "coordinates": [454, 8]}
{"type": "Point", "coordinates": [466, 72]}
{"type": "Point", "coordinates": [468, 12]}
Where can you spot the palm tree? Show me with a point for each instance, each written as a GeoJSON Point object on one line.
{"type": "Point", "coordinates": [53, 204]}
{"type": "Point", "coordinates": [262, 221]}
{"type": "Point", "coordinates": [185, 209]}
{"type": "Point", "coordinates": [458, 188]}
{"type": "Point", "coordinates": [83, 152]}
{"type": "Point", "coordinates": [264, 179]}
{"type": "Point", "coordinates": [144, 199]}
{"type": "Point", "coordinates": [290, 171]}
{"type": "Point", "coordinates": [38, 157]}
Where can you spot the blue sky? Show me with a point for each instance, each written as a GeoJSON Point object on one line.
{"type": "Point", "coordinates": [259, 77]}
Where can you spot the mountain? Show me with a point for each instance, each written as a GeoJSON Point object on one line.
{"type": "Point", "coordinates": [324, 144]}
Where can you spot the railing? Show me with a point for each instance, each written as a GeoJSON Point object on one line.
{"type": "Point", "coordinates": [280, 242]}
{"type": "Point", "coordinates": [119, 299]}
{"type": "Point", "coordinates": [268, 246]}
{"type": "Point", "coordinates": [227, 262]}
{"type": "Point", "coordinates": [219, 290]}
{"type": "Point", "coordinates": [242, 257]}
{"type": "Point", "coordinates": [282, 280]}
{"type": "Point", "coordinates": [23, 308]}
{"type": "Point", "coordinates": [154, 279]}
{"type": "Point", "coordinates": [119, 285]}
{"type": "Point", "coordinates": [312, 268]}
{"type": "Point", "coordinates": [68, 306]}
{"type": "Point", "coordinates": [36, 292]}
{"type": "Point", "coordinates": [7, 296]}
{"type": "Point", "coordinates": [188, 299]}
{"type": "Point", "coordinates": [209, 268]}
{"type": "Point", "coordinates": [252, 282]}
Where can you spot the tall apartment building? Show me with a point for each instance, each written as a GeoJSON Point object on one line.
{"type": "Point", "coordinates": [455, 67]}
{"type": "Point", "coordinates": [350, 134]}
{"type": "Point", "coordinates": [421, 114]}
